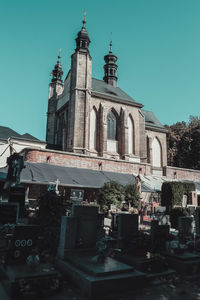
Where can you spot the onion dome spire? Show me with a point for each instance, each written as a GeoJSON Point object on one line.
{"type": "Point", "coordinates": [83, 40]}
{"type": "Point", "coordinates": [57, 72]}
{"type": "Point", "coordinates": [110, 68]}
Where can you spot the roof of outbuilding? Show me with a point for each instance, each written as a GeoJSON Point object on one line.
{"type": "Point", "coordinates": [44, 173]}
{"type": "Point", "coordinates": [101, 87]}
{"type": "Point", "coordinates": [152, 121]}
{"type": "Point", "coordinates": [6, 132]}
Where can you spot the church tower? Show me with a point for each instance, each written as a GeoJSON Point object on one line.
{"type": "Point", "coordinates": [55, 89]}
{"type": "Point", "coordinates": [110, 68]}
{"type": "Point", "coordinates": [80, 94]}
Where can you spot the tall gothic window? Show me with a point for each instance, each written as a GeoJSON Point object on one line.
{"type": "Point", "coordinates": [93, 130]}
{"type": "Point", "coordinates": [131, 137]}
{"type": "Point", "coordinates": [111, 127]}
{"type": "Point", "coordinates": [156, 153]}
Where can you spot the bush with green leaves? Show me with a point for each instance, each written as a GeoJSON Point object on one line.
{"type": "Point", "coordinates": [132, 195]}
{"type": "Point", "coordinates": [110, 193]}
{"type": "Point", "coordinates": [114, 193]}
{"type": "Point", "coordinates": [173, 191]}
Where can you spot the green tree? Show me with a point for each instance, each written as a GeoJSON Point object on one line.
{"type": "Point", "coordinates": [111, 193]}
{"type": "Point", "coordinates": [183, 142]}
{"type": "Point", "coordinates": [132, 195]}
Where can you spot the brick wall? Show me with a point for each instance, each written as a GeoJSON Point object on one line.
{"type": "Point", "coordinates": [181, 174]}
{"type": "Point", "coordinates": [82, 161]}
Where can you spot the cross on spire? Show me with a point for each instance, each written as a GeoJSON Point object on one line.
{"type": "Point", "coordinates": [59, 53]}
{"type": "Point", "coordinates": [84, 18]}
{"type": "Point", "coordinates": [110, 43]}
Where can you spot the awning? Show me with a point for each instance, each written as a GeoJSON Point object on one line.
{"type": "Point", "coordinates": [44, 173]}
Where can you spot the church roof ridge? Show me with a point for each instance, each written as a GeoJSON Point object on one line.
{"type": "Point", "coordinates": [102, 87]}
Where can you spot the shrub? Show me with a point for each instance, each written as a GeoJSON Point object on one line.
{"type": "Point", "coordinates": [173, 191]}
{"type": "Point", "coordinates": [111, 193]}
{"type": "Point", "coordinates": [132, 195]}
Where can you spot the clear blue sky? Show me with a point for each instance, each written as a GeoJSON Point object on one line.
{"type": "Point", "coordinates": [157, 43]}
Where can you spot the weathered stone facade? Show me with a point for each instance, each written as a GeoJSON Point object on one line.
{"type": "Point", "coordinates": [98, 119]}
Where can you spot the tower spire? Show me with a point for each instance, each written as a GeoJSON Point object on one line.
{"type": "Point", "coordinates": [110, 68]}
{"type": "Point", "coordinates": [83, 40]}
{"type": "Point", "coordinates": [57, 72]}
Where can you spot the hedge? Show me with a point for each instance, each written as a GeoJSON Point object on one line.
{"type": "Point", "coordinates": [173, 191]}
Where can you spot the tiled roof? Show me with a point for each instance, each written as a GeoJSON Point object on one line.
{"type": "Point", "coordinates": [6, 132]}
{"type": "Point", "coordinates": [152, 121]}
{"type": "Point", "coordinates": [101, 87]}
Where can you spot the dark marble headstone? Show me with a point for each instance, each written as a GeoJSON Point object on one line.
{"type": "Point", "coordinates": [17, 195]}
{"type": "Point", "coordinates": [23, 240]}
{"type": "Point", "coordinates": [68, 235]}
{"type": "Point", "coordinates": [87, 222]}
{"type": "Point", "coordinates": [186, 225]}
{"type": "Point", "coordinates": [197, 221]}
{"type": "Point", "coordinates": [159, 235]}
{"type": "Point", "coordinates": [127, 226]}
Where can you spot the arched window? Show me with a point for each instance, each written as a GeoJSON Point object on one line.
{"type": "Point", "coordinates": [111, 127]}
{"type": "Point", "coordinates": [131, 149]}
{"type": "Point", "coordinates": [156, 153]}
{"type": "Point", "coordinates": [93, 130]}
{"type": "Point", "coordinates": [148, 149]}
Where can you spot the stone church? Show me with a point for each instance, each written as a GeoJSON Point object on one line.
{"type": "Point", "coordinates": [96, 117]}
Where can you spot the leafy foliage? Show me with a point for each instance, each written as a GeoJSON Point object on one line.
{"type": "Point", "coordinates": [114, 193]}
{"type": "Point", "coordinates": [132, 195]}
{"type": "Point", "coordinates": [173, 191]}
{"type": "Point", "coordinates": [111, 193]}
{"type": "Point", "coordinates": [184, 144]}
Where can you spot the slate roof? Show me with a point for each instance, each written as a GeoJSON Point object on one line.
{"type": "Point", "coordinates": [6, 132]}
{"type": "Point", "coordinates": [103, 88]}
{"type": "Point", "coordinates": [43, 173]}
{"type": "Point", "coordinates": [151, 121]}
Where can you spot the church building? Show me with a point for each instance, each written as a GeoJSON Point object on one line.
{"type": "Point", "coordinates": [96, 117]}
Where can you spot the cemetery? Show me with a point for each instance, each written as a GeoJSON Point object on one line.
{"type": "Point", "coordinates": [100, 252]}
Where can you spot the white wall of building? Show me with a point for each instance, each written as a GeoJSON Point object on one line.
{"type": "Point", "coordinates": [18, 145]}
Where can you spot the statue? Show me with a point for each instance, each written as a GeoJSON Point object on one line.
{"type": "Point", "coordinates": [15, 164]}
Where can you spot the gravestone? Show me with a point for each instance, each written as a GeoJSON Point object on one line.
{"type": "Point", "coordinates": [68, 235]}
{"type": "Point", "coordinates": [127, 226]}
{"type": "Point", "coordinates": [159, 235]}
{"type": "Point", "coordinates": [9, 213]}
{"type": "Point", "coordinates": [17, 195]}
{"type": "Point", "coordinates": [197, 221]}
{"type": "Point", "coordinates": [22, 241]}
{"type": "Point", "coordinates": [87, 221]}
{"type": "Point", "coordinates": [186, 226]}
{"type": "Point", "coordinates": [159, 209]}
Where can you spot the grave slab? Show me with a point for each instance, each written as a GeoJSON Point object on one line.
{"type": "Point", "coordinates": [98, 279]}
{"type": "Point", "coordinates": [14, 276]}
{"type": "Point", "coordinates": [186, 264]}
